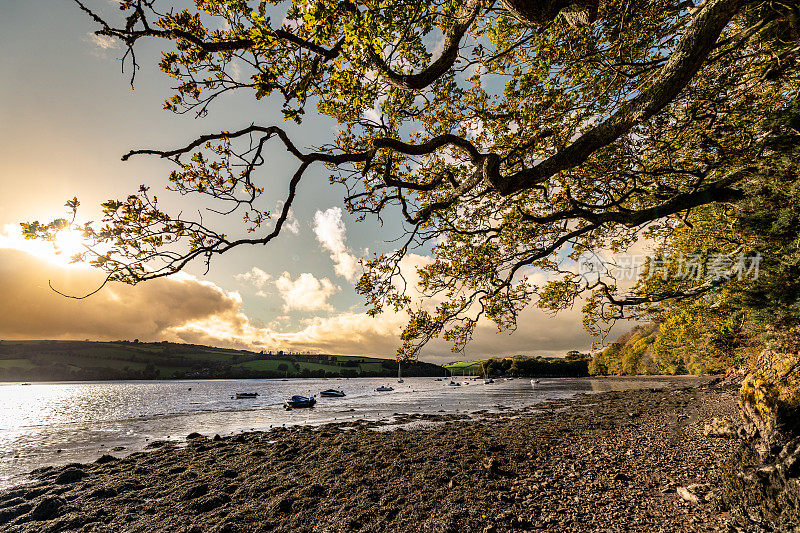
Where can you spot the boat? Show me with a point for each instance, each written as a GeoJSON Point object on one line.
{"type": "Point", "coordinates": [297, 401]}
{"type": "Point", "coordinates": [246, 395]}
{"type": "Point", "coordinates": [399, 374]}
{"type": "Point", "coordinates": [24, 384]}
{"type": "Point", "coordinates": [438, 379]}
{"type": "Point", "coordinates": [488, 381]}
{"type": "Point", "coordinates": [534, 381]}
{"type": "Point", "coordinates": [455, 384]}
{"type": "Point", "coordinates": [384, 389]}
{"type": "Point", "coordinates": [332, 393]}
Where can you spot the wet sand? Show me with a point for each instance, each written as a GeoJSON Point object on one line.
{"type": "Point", "coordinates": [606, 462]}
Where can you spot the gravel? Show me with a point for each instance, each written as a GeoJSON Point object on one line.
{"type": "Point", "coordinates": [619, 461]}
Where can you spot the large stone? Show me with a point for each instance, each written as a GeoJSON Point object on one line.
{"type": "Point", "coordinates": [195, 491]}
{"type": "Point", "coordinates": [720, 427]}
{"type": "Point", "coordinates": [48, 508]}
{"type": "Point", "coordinates": [70, 475]}
{"type": "Point", "coordinates": [687, 495]}
{"type": "Point", "coordinates": [210, 503]}
{"type": "Point", "coordinates": [10, 513]}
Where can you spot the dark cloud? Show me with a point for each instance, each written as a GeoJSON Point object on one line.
{"type": "Point", "coordinates": [32, 310]}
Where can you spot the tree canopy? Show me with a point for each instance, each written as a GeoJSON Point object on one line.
{"type": "Point", "coordinates": [509, 137]}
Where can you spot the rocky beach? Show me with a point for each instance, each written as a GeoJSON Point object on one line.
{"type": "Point", "coordinates": [638, 460]}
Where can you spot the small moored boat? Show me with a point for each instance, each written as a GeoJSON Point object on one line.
{"type": "Point", "coordinates": [245, 395]}
{"type": "Point", "coordinates": [384, 389]}
{"type": "Point", "coordinates": [332, 393]}
{"type": "Point", "coordinates": [455, 384]}
{"type": "Point", "coordinates": [488, 381]}
{"type": "Point", "coordinates": [298, 401]}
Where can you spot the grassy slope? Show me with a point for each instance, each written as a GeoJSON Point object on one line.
{"type": "Point", "coordinates": [127, 360]}
{"type": "Point", "coordinates": [465, 367]}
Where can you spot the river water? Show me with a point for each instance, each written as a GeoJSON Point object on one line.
{"type": "Point", "coordinates": [62, 422]}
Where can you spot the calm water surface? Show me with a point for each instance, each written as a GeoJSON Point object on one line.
{"type": "Point", "coordinates": [58, 423]}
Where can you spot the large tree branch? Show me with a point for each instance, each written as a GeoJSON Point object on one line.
{"type": "Point", "coordinates": [129, 35]}
{"type": "Point", "coordinates": [452, 42]}
{"type": "Point", "coordinates": [575, 12]}
{"type": "Point", "coordinates": [718, 191]}
{"type": "Point", "coordinates": [671, 79]}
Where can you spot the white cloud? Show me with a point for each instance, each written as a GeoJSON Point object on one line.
{"type": "Point", "coordinates": [103, 41]}
{"type": "Point", "coordinates": [292, 224]}
{"type": "Point", "coordinates": [306, 293]}
{"type": "Point", "coordinates": [184, 309]}
{"type": "Point", "coordinates": [236, 71]}
{"type": "Point", "coordinates": [257, 277]}
{"type": "Point", "coordinates": [330, 231]}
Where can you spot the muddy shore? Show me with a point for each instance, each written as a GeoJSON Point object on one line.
{"type": "Point", "coordinates": [618, 461]}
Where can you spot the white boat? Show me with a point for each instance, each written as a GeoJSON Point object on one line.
{"type": "Point", "coordinates": [399, 375]}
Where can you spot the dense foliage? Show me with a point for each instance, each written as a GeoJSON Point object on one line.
{"type": "Point", "coordinates": [506, 135]}
{"type": "Point", "coordinates": [571, 366]}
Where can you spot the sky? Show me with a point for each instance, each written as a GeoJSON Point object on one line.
{"type": "Point", "coordinates": [67, 116]}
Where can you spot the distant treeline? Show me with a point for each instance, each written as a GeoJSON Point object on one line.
{"type": "Point", "coordinates": [574, 364]}
{"type": "Point", "coordinates": [87, 360]}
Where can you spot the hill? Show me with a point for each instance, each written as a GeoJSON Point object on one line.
{"type": "Point", "coordinates": [632, 353]}
{"type": "Point", "coordinates": [38, 360]}
{"type": "Point", "coordinates": [652, 348]}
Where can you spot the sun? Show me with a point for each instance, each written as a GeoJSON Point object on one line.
{"type": "Point", "coordinates": [69, 242]}
{"type": "Point", "coordinates": [58, 249]}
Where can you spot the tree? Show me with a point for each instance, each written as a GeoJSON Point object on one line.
{"type": "Point", "coordinates": [504, 134]}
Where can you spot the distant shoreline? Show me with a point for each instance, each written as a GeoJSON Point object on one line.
{"type": "Point", "coordinates": [191, 380]}
{"type": "Point", "coordinates": [49, 360]}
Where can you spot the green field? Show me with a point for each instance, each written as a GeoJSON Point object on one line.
{"type": "Point", "coordinates": [466, 367]}
{"type": "Point", "coordinates": [87, 360]}
{"type": "Point", "coordinates": [363, 365]}
{"type": "Point", "coordinates": [6, 364]}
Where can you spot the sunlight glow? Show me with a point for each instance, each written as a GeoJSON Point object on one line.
{"type": "Point", "coordinates": [60, 252]}
{"type": "Point", "coordinates": [68, 243]}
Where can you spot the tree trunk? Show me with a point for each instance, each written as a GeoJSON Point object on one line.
{"type": "Point", "coordinates": [576, 13]}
